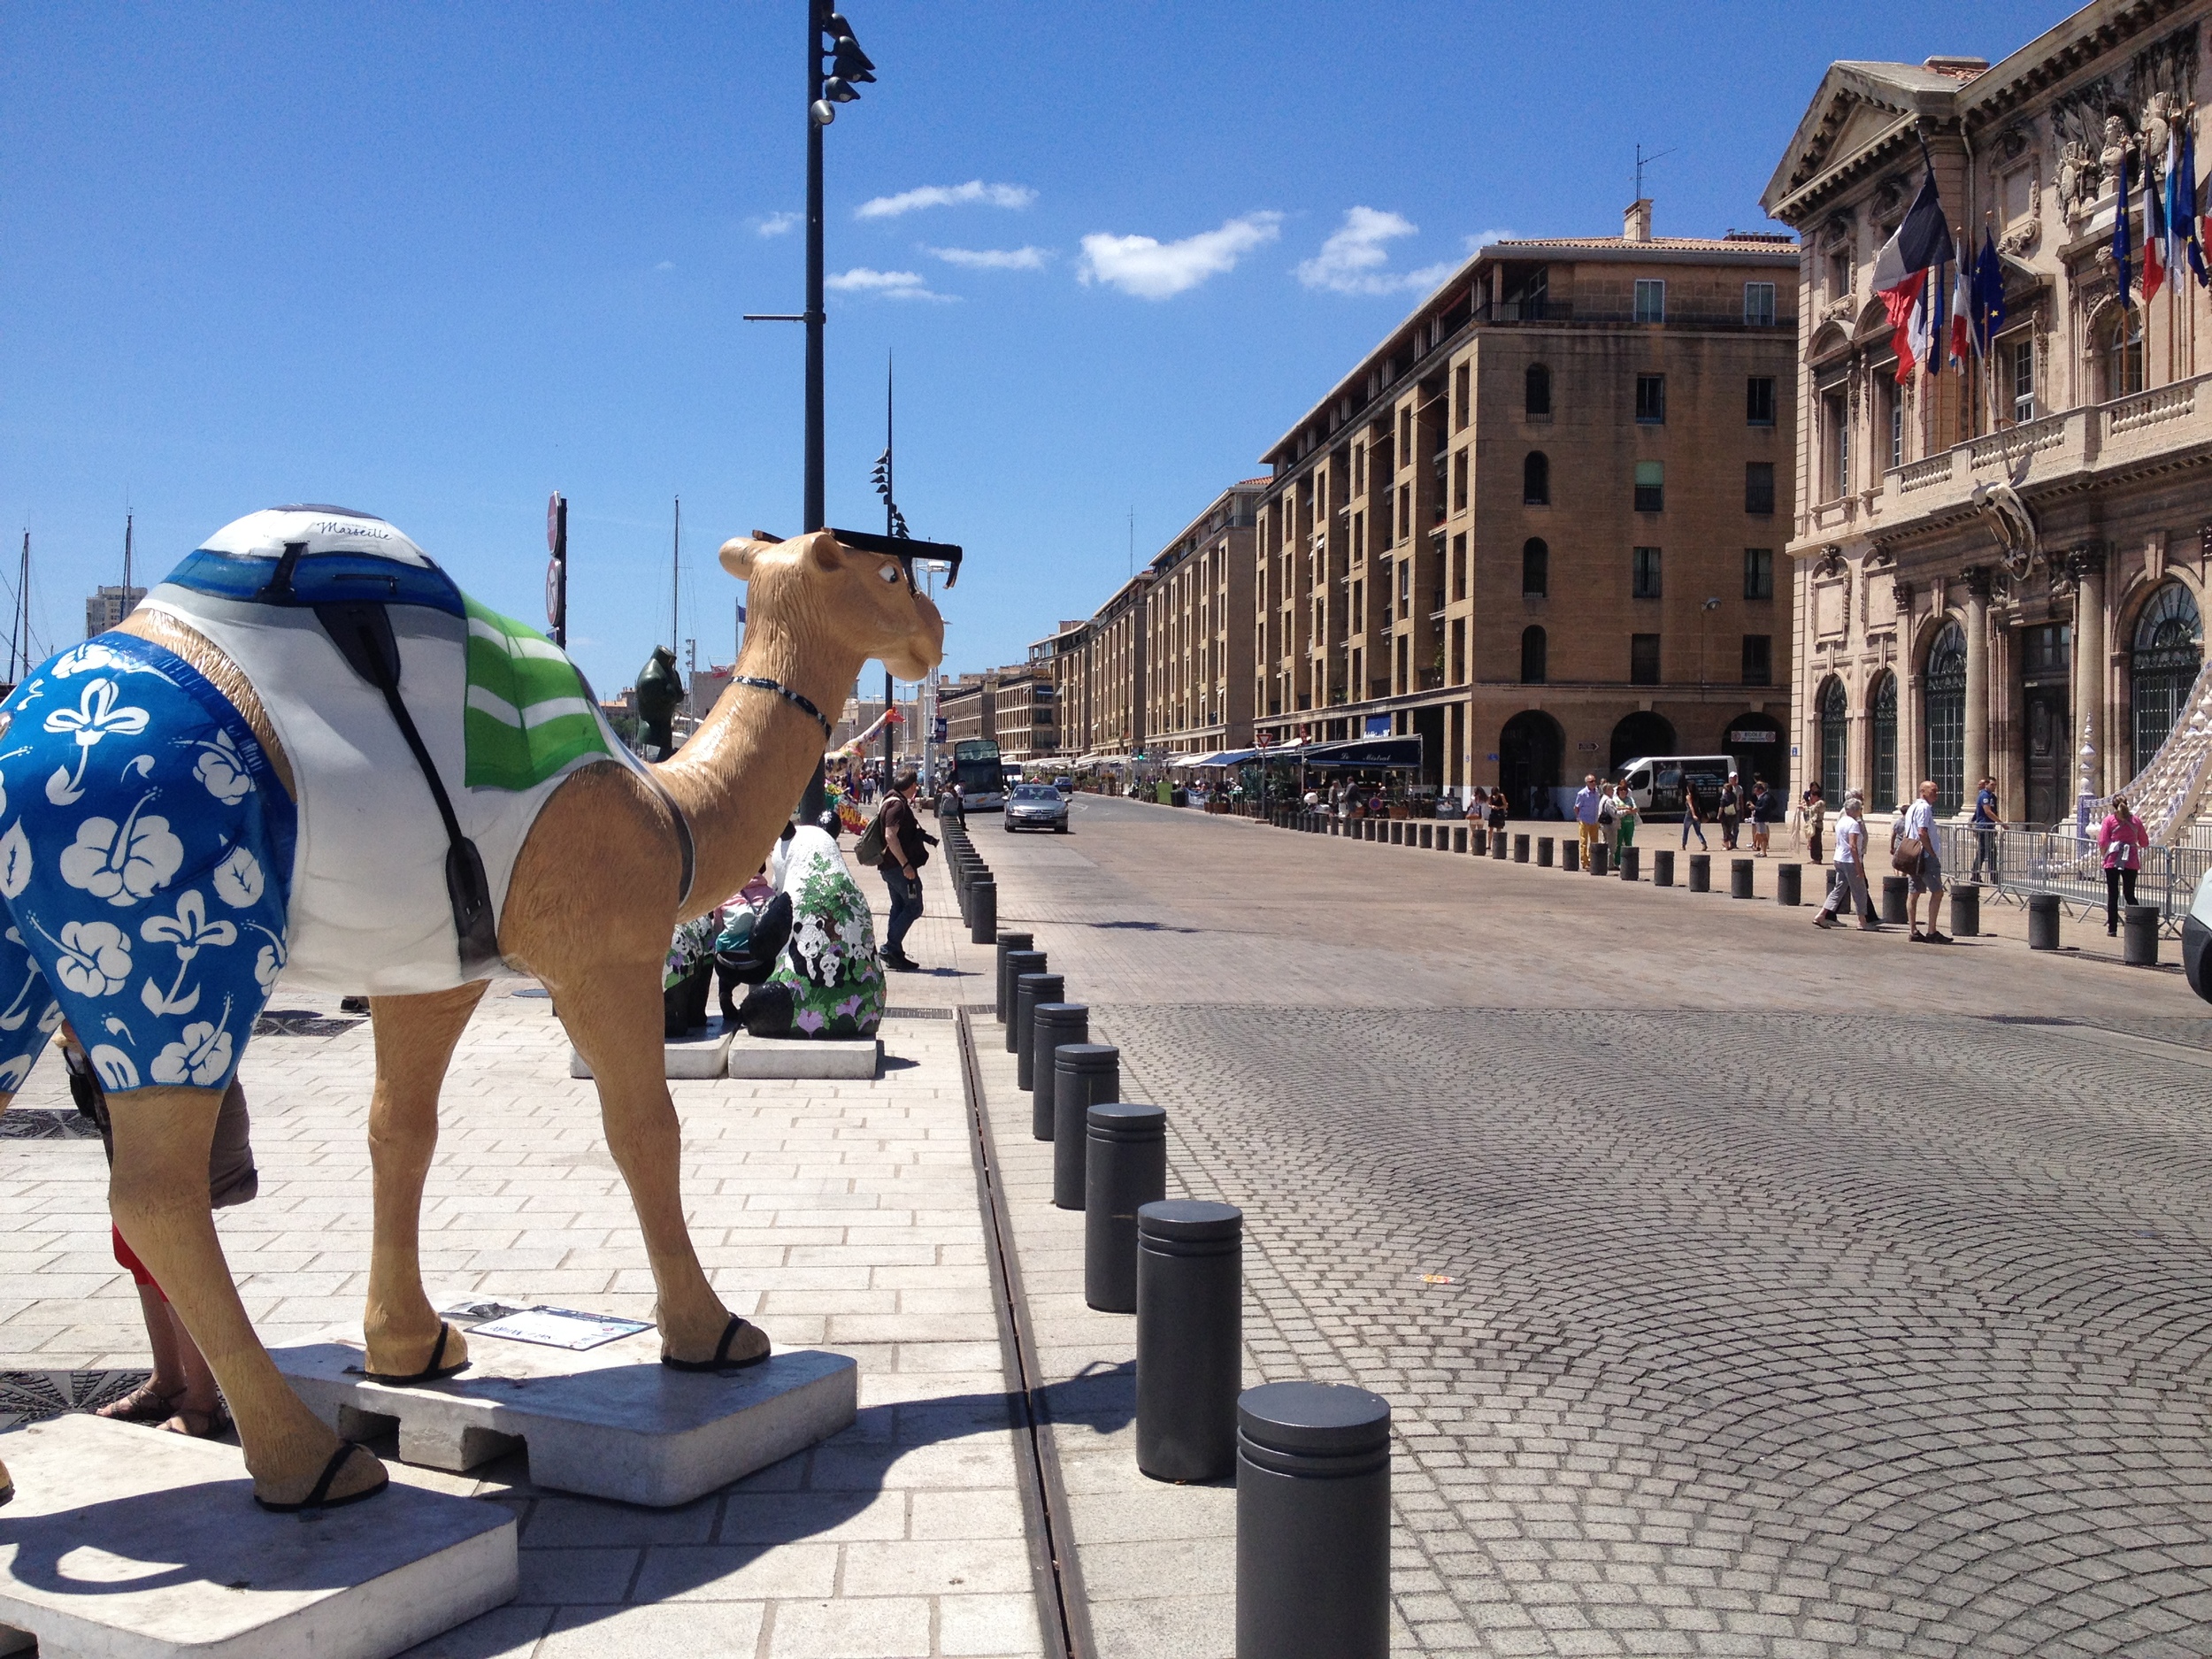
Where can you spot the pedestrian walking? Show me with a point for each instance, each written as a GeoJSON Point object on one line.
{"type": "Point", "coordinates": [1693, 821]}
{"type": "Point", "coordinates": [952, 806]}
{"type": "Point", "coordinates": [1624, 816]}
{"type": "Point", "coordinates": [1816, 811]}
{"type": "Point", "coordinates": [1986, 824]}
{"type": "Point", "coordinates": [1588, 803]}
{"type": "Point", "coordinates": [1917, 859]}
{"type": "Point", "coordinates": [904, 849]}
{"type": "Point", "coordinates": [1495, 817]}
{"type": "Point", "coordinates": [1731, 811]}
{"type": "Point", "coordinates": [2120, 840]}
{"type": "Point", "coordinates": [1765, 806]}
{"type": "Point", "coordinates": [1850, 883]}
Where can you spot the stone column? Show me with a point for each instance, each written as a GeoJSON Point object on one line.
{"type": "Point", "coordinates": [1977, 679]}
{"type": "Point", "coordinates": [2085, 566]}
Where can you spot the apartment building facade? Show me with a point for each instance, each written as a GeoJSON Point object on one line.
{"type": "Point", "coordinates": [1996, 571]}
{"type": "Point", "coordinates": [1015, 707]}
{"type": "Point", "coordinates": [1197, 631]}
{"type": "Point", "coordinates": [1539, 524]}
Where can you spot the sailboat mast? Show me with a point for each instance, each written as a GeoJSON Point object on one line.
{"type": "Point", "coordinates": [676, 582]}
{"type": "Point", "coordinates": [19, 623]}
{"type": "Point", "coordinates": [127, 563]}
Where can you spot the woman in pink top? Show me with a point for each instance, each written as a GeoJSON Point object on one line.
{"type": "Point", "coordinates": [2120, 840]}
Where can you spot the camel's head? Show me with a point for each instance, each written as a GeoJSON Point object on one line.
{"type": "Point", "coordinates": [820, 588]}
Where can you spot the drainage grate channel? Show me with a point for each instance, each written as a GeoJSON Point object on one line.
{"type": "Point", "coordinates": [2029, 1019]}
{"type": "Point", "coordinates": [917, 1013]}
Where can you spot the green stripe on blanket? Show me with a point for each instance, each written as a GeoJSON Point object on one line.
{"type": "Point", "coordinates": [528, 714]}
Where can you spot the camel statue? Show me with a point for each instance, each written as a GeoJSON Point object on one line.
{"type": "Point", "coordinates": [616, 855]}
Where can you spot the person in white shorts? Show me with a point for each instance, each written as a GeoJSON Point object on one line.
{"type": "Point", "coordinates": [1927, 875]}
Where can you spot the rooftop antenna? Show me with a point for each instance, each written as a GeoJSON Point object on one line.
{"type": "Point", "coordinates": [1643, 161]}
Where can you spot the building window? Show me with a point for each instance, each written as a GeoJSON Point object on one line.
{"type": "Point", "coordinates": [1536, 480]}
{"type": "Point", "coordinates": [1651, 399]}
{"type": "Point", "coordinates": [2020, 357]}
{"type": "Point", "coordinates": [1834, 727]}
{"type": "Point", "coordinates": [1531, 656]}
{"type": "Point", "coordinates": [1535, 568]}
{"type": "Point", "coordinates": [1651, 485]}
{"type": "Point", "coordinates": [1758, 305]}
{"type": "Point", "coordinates": [1463, 394]}
{"type": "Point", "coordinates": [1758, 487]}
{"type": "Point", "coordinates": [1758, 401]}
{"type": "Point", "coordinates": [1758, 659]}
{"type": "Point", "coordinates": [1758, 572]}
{"type": "Point", "coordinates": [1459, 566]}
{"type": "Point", "coordinates": [2169, 652]}
{"type": "Point", "coordinates": [1882, 712]}
{"type": "Point", "coordinates": [1536, 389]}
{"type": "Point", "coordinates": [1644, 572]}
{"type": "Point", "coordinates": [1643, 659]}
{"type": "Point", "coordinates": [1835, 441]}
{"type": "Point", "coordinates": [1459, 651]}
{"type": "Point", "coordinates": [1840, 274]}
{"type": "Point", "coordinates": [1405, 589]}
{"type": "Point", "coordinates": [1946, 717]}
{"type": "Point", "coordinates": [2122, 348]}
{"type": "Point", "coordinates": [1405, 513]}
{"type": "Point", "coordinates": [1459, 482]}
{"type": "Point", "coordinates": [1651, 300]}
{"type": "Point", "coordinates": [1892, 415]}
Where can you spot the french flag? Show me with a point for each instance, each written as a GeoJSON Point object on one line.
{"type": "Point", "coordinates": [1901, 278]}
{"type": "Point", "coordinates": [1961, 307]}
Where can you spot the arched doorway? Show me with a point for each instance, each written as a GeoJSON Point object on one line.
{"type": "Point", "coordinates": [1530, 749]}
{"type": "Point", "coordinates": [1753, 741]}
{"type": "Point", "coordinates": [1835, 730]}
{"type": "Point", "coordinates": [1947, 718]}
{"type": "Point", "coordinates": [1642, 733]}
{"type": "Point", "coordinates": [2168, 656]}
{"type": "Point", "coordinates": [1882, 716]}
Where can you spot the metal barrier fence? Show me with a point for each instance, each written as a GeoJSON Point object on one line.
{"type": "Point", "coordinates": [2017, 863]}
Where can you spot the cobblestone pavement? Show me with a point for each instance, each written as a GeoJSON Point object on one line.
{"type": "Point", "coordinates": [1740, 1289]}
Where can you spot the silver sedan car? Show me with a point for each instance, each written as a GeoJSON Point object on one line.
{"type": "Point", "coordinates": [1036, 806]}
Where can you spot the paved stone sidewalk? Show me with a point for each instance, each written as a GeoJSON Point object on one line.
{"type": "Point", "coordinates": [838, 1214]}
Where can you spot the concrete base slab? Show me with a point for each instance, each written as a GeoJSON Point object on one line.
{"type": "Point", "coordinates": [610, 1421]}
{"type": "Point", "coordinates": [127, 1543]}
{"type": "Point", "coordinates": [699, 1055]}
{"type": "Point", "coordinates": [753, 1057]}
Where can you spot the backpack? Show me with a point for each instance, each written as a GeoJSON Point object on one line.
{"type": "Point", "coordinates": [868, 852]}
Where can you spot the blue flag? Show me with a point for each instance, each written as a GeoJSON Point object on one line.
{"type": "Point", "coordinates": [1989, 295]}
{"type": "Point", "coordinates": [2120, 235]}
{"type": "Point", "coordinates": [2185, 219]}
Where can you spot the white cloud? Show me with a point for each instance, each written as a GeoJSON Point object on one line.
{"type": "Point", "coordinates": [1353, 260]}
{"type": "Point", "coordinates": [888, 285]}
{"type": "Point", "coordinates": [1154, 270]}
{"type": "Point", "coordinates": [665, 264]}
{"type": "Point", "coordinates": [1483, 239]}
{"type": "Point", "coordinates": [776, 224]}
{"type": "Point", "coordinates": [992, 258]}
{"type": "Point", "coordinates": [946, 195]}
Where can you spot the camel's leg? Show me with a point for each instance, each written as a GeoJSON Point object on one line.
{"type": "Point", "coordinates": [415, 1037]}
{"type": "Point", "coordinates": [613, 1013]}
{"type": "Point", "coordinates": [158, 1196]}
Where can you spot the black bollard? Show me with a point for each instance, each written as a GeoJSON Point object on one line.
{"type": "Point", "coordinates": [1190, 1338]}
{"type": "Point", "coordinates": [1459, 839]}
{"type": "Point", "coordinates": [2139, 936]}
{"type": "Point", "coordinates": [1029, 990]}
{"type": "Point", "coordinates": [1570, 854]}
{"type": "Point", "coordinates": [2042, 919]}
{"type": "Point", "coordinates": [1051, 1025]}
{"type": "Point", "coordinates": [1543, 851]}
{"type": "Point", "coordinates": [983, 911]}
{"type": "Point", "coordinates": [1397, 832]}
{"type": "Point", "coordinates": [1125, 1169]}
{"type": "Point", "coordinates": [1701, 872]}
{"type": "Point", "coordinates": [1085, 1074]}
{"type": "Point", "coordinates": [1313, 1522]}
{"type": "Point", "coordinates": [1632, 863]}
{"type": "Point", "coordinates": [1498, 846]}
{"type": "Point", "coordinates": [1896, 896]}
{"type": "Point", "coordinates": [1018, 963]}
{"type": "Point", "coordinates": [1966, 911]}
{"type": "Point", "coordinates": [1739, 874]}
{"type": "Point", "coordinates": [1662, 868]}
{"type": "Point", "coordinates": [1601, 857]}
{"type": "Point", "coordinates": [1008, 943]}
{"type": "Point", "coordinates": [1789, 885]}
{"type": "Point", "coordinates": [1428, 832]}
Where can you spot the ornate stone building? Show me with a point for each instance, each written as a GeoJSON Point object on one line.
{"type": "Point", "coordinates": [1989, 568]}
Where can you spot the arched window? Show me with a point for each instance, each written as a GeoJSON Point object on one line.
{"type": "Point", "coordinates": [1536, 480]}
{"type": "Point", "coordinates": [1531, 656]}
{"type": "Point", "coordinates": [1536, 388]}
{"type": "Point", "coordinates": [2120, 352]}
{"type": "Point", "coordinates": [1535, 568]}
{"type": "Point", "coordinates": [1835, 727]}
{"type": "Point", "coordinates": [1882, 714]}
{"type": "Point", "coordinates": [1947, 718]}
{"type": "Point", "coordinates": [2168, 653]}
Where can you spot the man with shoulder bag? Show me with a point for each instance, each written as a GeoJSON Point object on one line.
{"type": "Point", "coordinates": [1917, 859]}
{"type": "Point", "coordinates": [901, 848]}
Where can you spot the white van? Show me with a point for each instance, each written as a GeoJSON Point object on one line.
{"type": "Point", "coordinates": [1658, 783]}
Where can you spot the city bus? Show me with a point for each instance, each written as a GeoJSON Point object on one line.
{"type": "Point", "coordinates": [977, 768]}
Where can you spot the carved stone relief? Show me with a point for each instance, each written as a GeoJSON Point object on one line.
{"type": "Point", "coordinates": [1829, 618]}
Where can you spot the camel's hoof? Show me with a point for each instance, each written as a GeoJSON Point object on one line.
{"type": "Point", "coordinates": [742, 1345]}
{"type": "Point", "coordinates": [354, 1472]}
{"type": "Point", "coordinates": [444, 1355]}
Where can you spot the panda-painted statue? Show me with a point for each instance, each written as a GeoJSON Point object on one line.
{"type": "Point", "coordinates": [827, 981]}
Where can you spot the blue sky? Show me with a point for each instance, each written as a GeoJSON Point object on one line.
{"type": "Point", "coordinates": [434, 261]}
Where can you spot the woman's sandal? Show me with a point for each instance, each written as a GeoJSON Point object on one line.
{"type": "Point", "coordinates": [143, 1404]}
{"type": "Point", "coordinates": [432, 1373]}
{"type": "Point", "coordinates": [319, 1497]}
{"type": "Point", "coordinates": [721, 1364]}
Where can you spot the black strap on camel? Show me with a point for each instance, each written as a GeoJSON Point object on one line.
{"type": "Point", "coordinates": [362, 631]}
